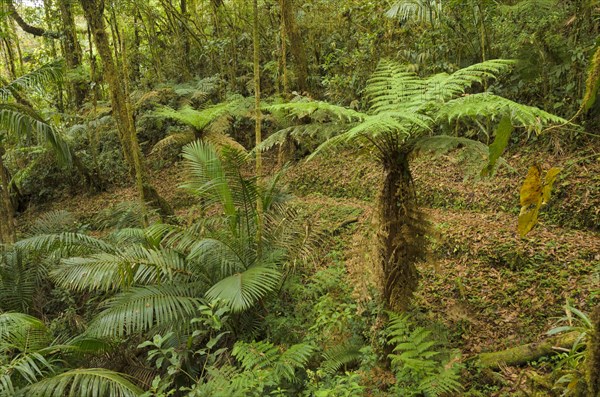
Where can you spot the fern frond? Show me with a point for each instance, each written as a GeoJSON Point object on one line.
{"type": "Point", "coordinates": [296, 356]}
{"type": "Point", "coordinates": [307, 108]}
{"type": "Point", "coordinates": [175, 140]}
{"type": "Point", "coordinates": [490, 106]}
{"type": "Point", "coordinates": [473, 154]}
{"type": "Point", "coordinates": [443, 87]}
{"type": "Point", "coordinates": [339, 356]}
{"type": "Point", "coordinates": [255, 355]}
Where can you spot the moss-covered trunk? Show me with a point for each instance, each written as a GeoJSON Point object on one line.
{"type": "Point", "coordinates": [402, 232]}
{"type": "Point", "coordinates": [72, 51]}
{"type": "Point", "coordinates": [7, 234]}
{"type": "Point", "coordinates": [94, 10]}
{"type": "Point", "coordinates": [297, 44]}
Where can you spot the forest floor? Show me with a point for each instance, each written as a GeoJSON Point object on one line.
{"type": "Point", "coordinates": [489, 288]}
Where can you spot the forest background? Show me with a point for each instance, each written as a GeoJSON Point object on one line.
{"type": "Point", "coordinates": [299, 197]}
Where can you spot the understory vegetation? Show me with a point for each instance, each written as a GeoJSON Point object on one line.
{"type": "Point", "coordinates": [299, 198]}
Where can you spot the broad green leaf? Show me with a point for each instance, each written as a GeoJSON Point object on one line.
{"type": "Point", "coordinates": [503, 132]}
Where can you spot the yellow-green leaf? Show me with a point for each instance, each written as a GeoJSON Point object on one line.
{"type": "Point", "coordinates": [531, 190]}
{"type": "Point", "coordinates": [551, 176]}
{"type": "Point", "coordinates": [534, 193]}
{"type": "Point", "coordinates": [503, 132]}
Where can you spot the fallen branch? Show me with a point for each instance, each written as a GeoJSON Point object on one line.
{"type": "Point", "coordinates": [521, 355]}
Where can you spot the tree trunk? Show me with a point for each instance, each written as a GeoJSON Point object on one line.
{"type": "Point", "coordinates": [34, 30]}
{"type": "Point", "coordinates": [258, 118]}
{"type": "Point", "coordinates": [93, 10]}
{"type": "Point", "coordinates": [73, 53]}
{"type": "Point", "coordinates": [521, 355]}
{"type": "Point", "coordinates": [297, 44]}
{"type": "Point", "coordinates": [402, 233]}
{"type": "Point", "coordinates": [9, 234]}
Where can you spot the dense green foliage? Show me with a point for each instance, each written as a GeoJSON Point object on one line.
{"type": "Point", "coordinates": [161, 234]}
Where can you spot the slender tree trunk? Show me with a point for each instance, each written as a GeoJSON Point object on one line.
{"type": "Point", "coordinates": [7, 210]}
{"type": "Point", "coordinates": [297, 44]}
{"type": "Point", "coordinates": [283, 61]}
{"type": "Point", "coordinates": [258, 117]}
{"type": "Point", "coordinates": [93, 10]}
{"type": "Point", "coordinates": [402, 239]}
{"type": "Point", "coordinates": [73, 53]}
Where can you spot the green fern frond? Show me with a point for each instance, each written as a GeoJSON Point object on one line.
{"type": "Point", "coordinates": [261, 355]}
{"type": "Point", "coordinates": [443, 87]}
{"type": "Point", "coordinates": [255, 355]}
{"type": "Point", "coordinates": [340, 356]}
{"type": "Point", "coordinates": [308, 108]}
{"type": "Point", "coordinates": [418, 362]}
{"type": "Point", "coordinates": [86, 382]}
{"type": "Point", "coordinates": [473, 154]}
{"type": "Point", "coordinates": [490, 106]}
{"type": "Point", "coordinates": [295, 357]}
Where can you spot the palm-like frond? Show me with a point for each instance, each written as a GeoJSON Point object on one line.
{"type": "Point", "coordinates": [22, 120]}
{"type": "Point", "coordinates": [142, 308]}
{"type": "Point", "coordinates": [85, 382]}
{"type": "Point", "coordinates": [18, 280]}
{"type": "Point", "coordinates": [54, 222]}
{"type": "Point", "coordinates": [35, 79]}
{"type": "Point", "coordinates": [22, 332]}
{"type": "Point", "coordinates": [67, 241]}
{"type": "Point", "coordinates": [242, 290]}
{"type": "Point", "coordinates": [112, 272]}
{"type": "Point", "coordinates": [30, 366]}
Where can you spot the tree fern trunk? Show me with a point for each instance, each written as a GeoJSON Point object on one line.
{"type": "Point", "coordinates": [402, 232]}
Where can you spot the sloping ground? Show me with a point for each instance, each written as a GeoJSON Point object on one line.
{"type": "Point", "coordinates": [441, 182]}
{"type": "Point", "coordinates": [490, 288]}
